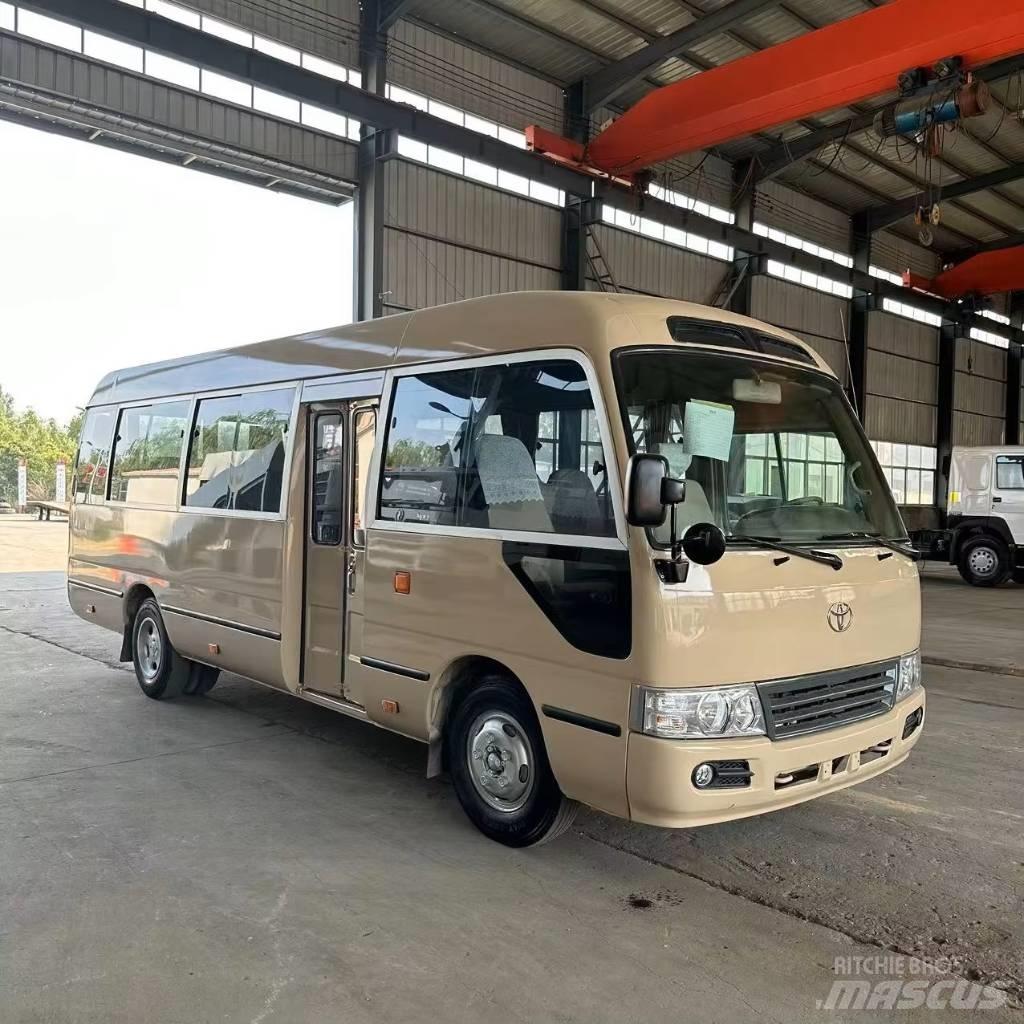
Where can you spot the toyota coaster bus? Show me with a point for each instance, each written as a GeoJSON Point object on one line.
{"type": "Point", "coordinates": [588, 548]}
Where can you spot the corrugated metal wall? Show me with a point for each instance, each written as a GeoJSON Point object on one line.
{"type": "Point", "coordinates": [439, 67]}
{"type": "Point", "coordinates": [133, 96]}
{"type": "Point", "coordinates": [784, 208]}
{"type": "Point", "coordinates": [902, 383]}
{"type": "Point", "coordinates": [329, 28]}
{"type": "Point", "coordinates": [649, 267]}
{"type": "Point", "coordinates": [979, 394]}
{"type": "Point", "coordinates": [447, 238]}
{"type": "Point", "coordinates": [895, 254]}
{"type": "Point", "coordinates": [811, 315]}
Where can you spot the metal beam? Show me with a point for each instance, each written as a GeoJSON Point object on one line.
{"type": "Point", "coordinates": [1014, 378]}
{"type": "Point", "coordinates": [857, 327]}
{"type": "Point", "coordinates": [883, 216]}
{"type": "Point", "coordinates": [945, 402]}
{"type": "Point", "coordinates": [389, 11]}
{"type": "Point", "coordinates": [604, 85]}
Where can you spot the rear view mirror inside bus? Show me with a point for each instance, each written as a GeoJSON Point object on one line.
{"type": "Point", "coordinates": [761, 392]}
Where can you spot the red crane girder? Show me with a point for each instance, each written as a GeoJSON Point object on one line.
{"type": "Point", "coordinates": [840, 64]}
{"type": "Point", "coordinates": [988, 273]}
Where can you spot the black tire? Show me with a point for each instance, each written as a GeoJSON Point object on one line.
{"type": "Point", "coordinates": [984, 561]}
{"type": "Point", "coordinates": [201, 679]}
{"type": "Point", "coordinates": [161, 672]}
{"type": "Point", "coordinates": [496, 711]}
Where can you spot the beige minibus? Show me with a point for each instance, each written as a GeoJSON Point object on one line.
{"type": "Point", "coordinates": [588, 548]}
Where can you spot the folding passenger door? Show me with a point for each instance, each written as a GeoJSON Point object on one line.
{"type": "Point", "coordinates": [340, 437]}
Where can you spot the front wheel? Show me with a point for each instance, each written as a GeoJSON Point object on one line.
{"type": "Point", "coordinates": [984, 562]}
{"type": "Point", "coordinates": [500, 769]}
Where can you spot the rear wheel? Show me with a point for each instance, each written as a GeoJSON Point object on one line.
{"type": "Point", "coordinates": [162, 672]}
{"type": "Point", "coordinates": [500, 768]}
{"type": "Point", "coordinates": [984, 561]}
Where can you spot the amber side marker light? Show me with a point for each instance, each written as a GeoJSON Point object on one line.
{"type": "Point", "coordinates": [389, 707]}
{"type": "Point", "coordinates": [403, 583]}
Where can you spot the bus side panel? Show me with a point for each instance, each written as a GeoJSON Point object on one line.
{"type": "Point", "coordinates": [464, 600]}
{"type": "Point", "coordinates": [225, 568]}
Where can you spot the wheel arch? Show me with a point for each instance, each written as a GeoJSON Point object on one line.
{"type": "Point", "coordinates": [136, 594]}
{"type": "Point", "coordinates": [454, 682]}
{"type": "Point", "coordinates": [968, 528]}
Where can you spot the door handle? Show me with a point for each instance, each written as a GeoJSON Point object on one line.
{"type": "Point", "coordinates": [996, 501]}
{"type": "Point", "coordinates": [350, 571]}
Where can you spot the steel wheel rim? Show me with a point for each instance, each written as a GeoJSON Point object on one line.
{"type": "Point", "coordinates": [149, 648]}
{"type": "Point", "coordinates": [500, 759]}
{"type": "Point", "coordinates": [983, 561]}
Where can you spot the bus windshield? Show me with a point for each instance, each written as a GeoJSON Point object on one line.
{"type": "Point", "coordinates": [767, 450]}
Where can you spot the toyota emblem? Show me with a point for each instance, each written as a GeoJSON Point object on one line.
{"type": "Point", "coordinates": [840, 617]}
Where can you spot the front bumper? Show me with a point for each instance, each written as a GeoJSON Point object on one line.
{"type": "Point", "coordinates": [659, 772]}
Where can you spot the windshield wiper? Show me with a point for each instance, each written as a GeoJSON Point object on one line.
{"type": "Point", "coordinates": [825, 557]}
{"type": "Point", "coordinates": [903, 549]}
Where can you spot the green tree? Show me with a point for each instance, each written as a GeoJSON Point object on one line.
{"type": "Point", "coordinates": [40, 442]}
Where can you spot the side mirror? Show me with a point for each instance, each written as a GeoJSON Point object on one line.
{"type": "Point", "coordinates": [644, 477]}
{"type": "Point", "coordinates": [704, 543]}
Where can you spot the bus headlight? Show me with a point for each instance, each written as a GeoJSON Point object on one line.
{"type": "Point", "coordinates": [910, 675]}
{"type": "Point", "coordinates": [703, 714]}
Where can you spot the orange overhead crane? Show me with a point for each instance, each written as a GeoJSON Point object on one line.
{"type": "Point", "coordinates": [843, 63]}
{"type": "Point", "coordinates": [988, 273]}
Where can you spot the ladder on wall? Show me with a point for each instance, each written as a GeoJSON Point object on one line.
{"type": "Point", "coordinates": [731, 280]}
{"type": "Point", "coordinates": [599, 268]}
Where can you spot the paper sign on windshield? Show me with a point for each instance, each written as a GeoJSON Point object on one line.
{"type": "Point", "coordinates": [707, 429]}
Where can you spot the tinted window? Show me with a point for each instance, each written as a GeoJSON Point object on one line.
{"type": "Point", "coordinates": [328, 475]}
{"type": "Point", "coordinates": [510, 447]}
{"type": "Point", "coordinates": [1010, 472]}
{"type": "Point", "coordinates": [147, 453]}
{"type": "Point", "coordinates": [236, 460]}
{"type": "Point", "coordinates": [93, 456]}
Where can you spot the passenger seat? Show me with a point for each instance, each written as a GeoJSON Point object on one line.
{"type": "Point", "coordinates": [573, 502]}
{"type": "Point", "coordinates": [511, 489]}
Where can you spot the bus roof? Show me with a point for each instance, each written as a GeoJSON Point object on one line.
{"type": "Point", "coordinates": [593, 322]}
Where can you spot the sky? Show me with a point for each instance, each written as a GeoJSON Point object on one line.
{"type": "Point", "coordinates": [109, 260]}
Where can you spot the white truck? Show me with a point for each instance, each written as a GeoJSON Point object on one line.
{"type": "Point", "coordinates": [984, 529]}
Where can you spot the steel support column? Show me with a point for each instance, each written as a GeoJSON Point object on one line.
{"type": "Point", "coordinates": [1013, 372]}
{"type": "Point", "coordinates": [744, 192]}
{"type": "Point", "coordinates": [857, 328]}
{"type": "Point", "coordinates": [574, 226]}
{"type": "Point", "coordinates": [946, 397]}
{"type": "Point", "coordinates": [369, 219]}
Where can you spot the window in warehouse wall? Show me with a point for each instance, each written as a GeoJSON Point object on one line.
{"type": "Point", "coordinates": [796, 242]}
{"type": "Point", "coordinates": [812, 464]}
{"type": "Point", "coordinates": [819, 282]}
{"type": "Point", "coordinates": [665, 233]}
{"type": "Point", "coordinates": [910, 470]}
{"type": "Point", "coordinates": [910, 312]}
{"type": "Point", "coordinates": [187, 75]}
{"type": "Point", "coordinates": [989, 338]}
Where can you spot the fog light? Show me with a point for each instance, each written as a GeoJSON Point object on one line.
{"type": "Point", "coordinates": [703, 776]}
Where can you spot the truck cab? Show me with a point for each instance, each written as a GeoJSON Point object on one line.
{"type": "Point", "coordinates": [985, 514]}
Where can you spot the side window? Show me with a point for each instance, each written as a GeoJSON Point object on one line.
{"type": "Point", "coordinates": [236, 459]}
{"type": "Point", "coordinates": [510, 447]}
{"type": "Point", "coordinates": [1010, 472]}
{"type": "Point", "coordinates": [93, 456]}
{"type": "Point", "coordinates": [328, 475]}
{"type": "Point", "coordinates": [147, 453]}
{"type": "Point", "coordinates": [427, 447]}
{"type": "Point", "coordinates": [364, 433]}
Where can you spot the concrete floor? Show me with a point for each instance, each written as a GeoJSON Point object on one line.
{"type": "Point", "coordinates": [248, 857]}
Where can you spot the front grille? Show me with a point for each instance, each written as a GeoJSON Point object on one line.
{"type": "Point", "coordinates": [807, 704]}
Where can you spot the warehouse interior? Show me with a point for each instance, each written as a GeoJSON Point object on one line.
{"type": "Point", "coordinates": [419, 111]}
{"type": "Point", "coordinates": [470, 137]}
